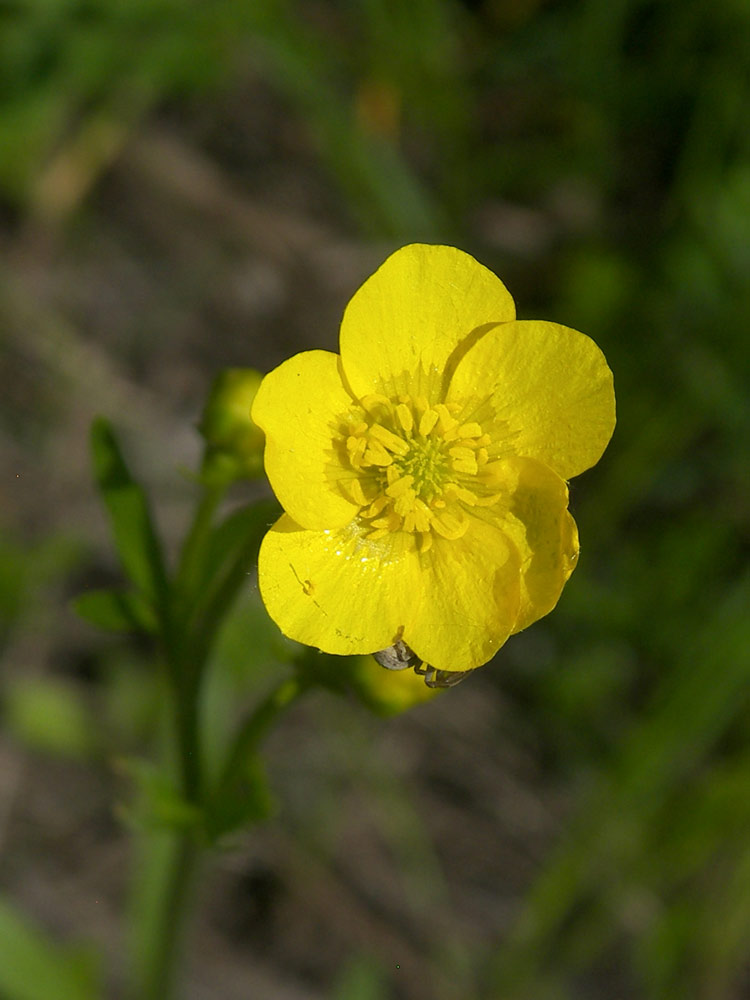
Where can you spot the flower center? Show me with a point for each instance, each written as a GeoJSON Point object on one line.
{"type": "Point", "coordinates": [416, 467]}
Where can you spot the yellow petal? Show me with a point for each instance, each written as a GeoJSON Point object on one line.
{"type": "Point", "coordinates": [454, 603]}
{"type": "Point", "coordinates": [542, 530]}
{"type": "Point", "coordinates": [401, 327]}
{"type": "Point", "coordinates": [336, 590]}
{"type": "Point", "coordinates": [552, 387]}
{"type": "Point", "coordinates": [299, 406]}
{"type": "Point", "coordinates": [469, 598]}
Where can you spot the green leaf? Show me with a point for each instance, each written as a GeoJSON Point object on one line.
{"type": "Point", "coordinates": [33, 967]}
{"type": "Point", "coordinates": [240, 529]}
{"type": "Point", "coordinates": [135, 536]}
{"type": "Point", "coordinates": [361, 979]}
{"type": "Point", "coordinates": [160, 803]}
{"type": "Point", "coordinates": [49, 715]}
{"type": "Point", "coordinates": [115, 611]}
{"type": "Point", "coordinates": [231, 553]}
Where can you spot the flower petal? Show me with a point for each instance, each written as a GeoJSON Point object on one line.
{"type": "Point", "coordinates": [469, 600]}
{"type": "Point", "coordinates": [542, 530]}
{"type": "Point", "coordinates": [299, 406]}
{"type": "Point", "coordinates": [551, 386]}
{"type": "Point", "coordinates": [334, 589]}
{"type": "Point", "coordinates": [401, 327]}
{"type": "Point", "coordinates": [454, 605]}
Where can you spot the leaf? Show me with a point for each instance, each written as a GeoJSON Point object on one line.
{"type": "Point", "coordinates": [49, 715]}
{"type": "Point", "coordinates": [160, 803]}
{"type": "Point", "coordinates": [115, 611]}
{"type": "Point", "coordinates": [240, 529]}
{"type": "Point", "coordinates": [231, 553]}
{"type": "Point", "coordinates": [134, 533]}
{"type": "Point", "coordinates": [33, 967]}
{"type": "Point", "coordinates": [361, 979]}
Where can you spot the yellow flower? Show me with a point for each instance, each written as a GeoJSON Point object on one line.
{"type": "Point", "coordinates": [423, 469]}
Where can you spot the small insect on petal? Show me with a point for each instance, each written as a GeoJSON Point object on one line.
{"type": "Point", "coordinates": [400, 657]}
{"type": "Point", "coordinates": [440, 678]}
{"type": "Point", "coordinates": [396, 657]}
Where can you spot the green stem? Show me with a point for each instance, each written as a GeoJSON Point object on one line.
{"type": "Point", "coordinates": [188, 736]}
{"type": "Point", "coordinates": [166, 873]}
{"type": "Point", "coordinates": [190, 626]}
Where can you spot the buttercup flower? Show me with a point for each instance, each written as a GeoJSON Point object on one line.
{"type": "Point", "coordinates": [423, 470]}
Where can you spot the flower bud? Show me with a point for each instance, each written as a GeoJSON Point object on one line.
{"type": "Point", "coordinates": [388, 692]}
{"type": "Point", "coordinates": [234, 443]}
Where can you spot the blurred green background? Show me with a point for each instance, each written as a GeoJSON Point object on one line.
{"type": "Point", "coordinates": [189, 185]}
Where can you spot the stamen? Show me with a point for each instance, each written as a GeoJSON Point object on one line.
{"type": "Point", "coordinates": [462, 454]}
{"type": "Point", "coordinates": [355, 491]}
{"type": "Point", "coordinates": [357, 452]}
{"type": "Point", "coordinates": [461, 493]}
{"type": "Point", "coordinates": [389, 440]}
{"type": "Point", "coordinates": [450, 526]}
{"type": "Point", "coordinates": [467, 466]}
{"type": "Point", "coordinates": [489, 500]}
{"type": "Point", "coordinates": [404, 504]}
{"type": "Point", "coordinates": [427, 422]}
{"type": "Point", "coordinates": [376, 454]}
{"type": "Point", "coordinates": [400, 487]}
{"type": "Point", "coordinates": [448, 424]}
{"type": "Point", "coordinates": [376, 506]}
{"type": "Point", "coordinates": [405, 417]}
{"type": "Point", "coordinates": [471, 430]}
{"type": "Point", "coordinates": [374, 401]}
{"type": "Point", "coordinates": [417, 469]}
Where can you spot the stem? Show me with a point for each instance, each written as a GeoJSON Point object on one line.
{"type": "Point", "coordinates": [166, 873]}
{"type": "Point", "coordinates": [188, 736]}
{"type": "Point", "coordinates": [189, 627]}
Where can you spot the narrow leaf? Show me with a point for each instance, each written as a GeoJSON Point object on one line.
{"type": "Point", "coordinates": [135, 536]}
{"type": "Point", "coordinates": [115, 611]}
{"type": "Point", "coordinates": [159, 803]}
{"type": "Point", "coordinates": [233, 551]}
{"type": "Point", "coordinates": [237, 530]}
{"type": "Point", "coordinates": [50, 715]}
{"type": "Point", "coordinates": [33, 967]}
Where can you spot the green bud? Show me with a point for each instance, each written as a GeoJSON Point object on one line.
{"type": "Point", "coordinates": [388, 692]}
{"type": "Point", "coordinates": [234, 444]}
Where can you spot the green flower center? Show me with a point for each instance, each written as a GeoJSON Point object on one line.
{"type": "Point", "coordinates": [417, 467]}
{"type": "Point", "coordinates": [428, 465]}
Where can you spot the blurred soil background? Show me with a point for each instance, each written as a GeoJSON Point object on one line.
{"type": "Point", "coordinates": [186, 186]}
